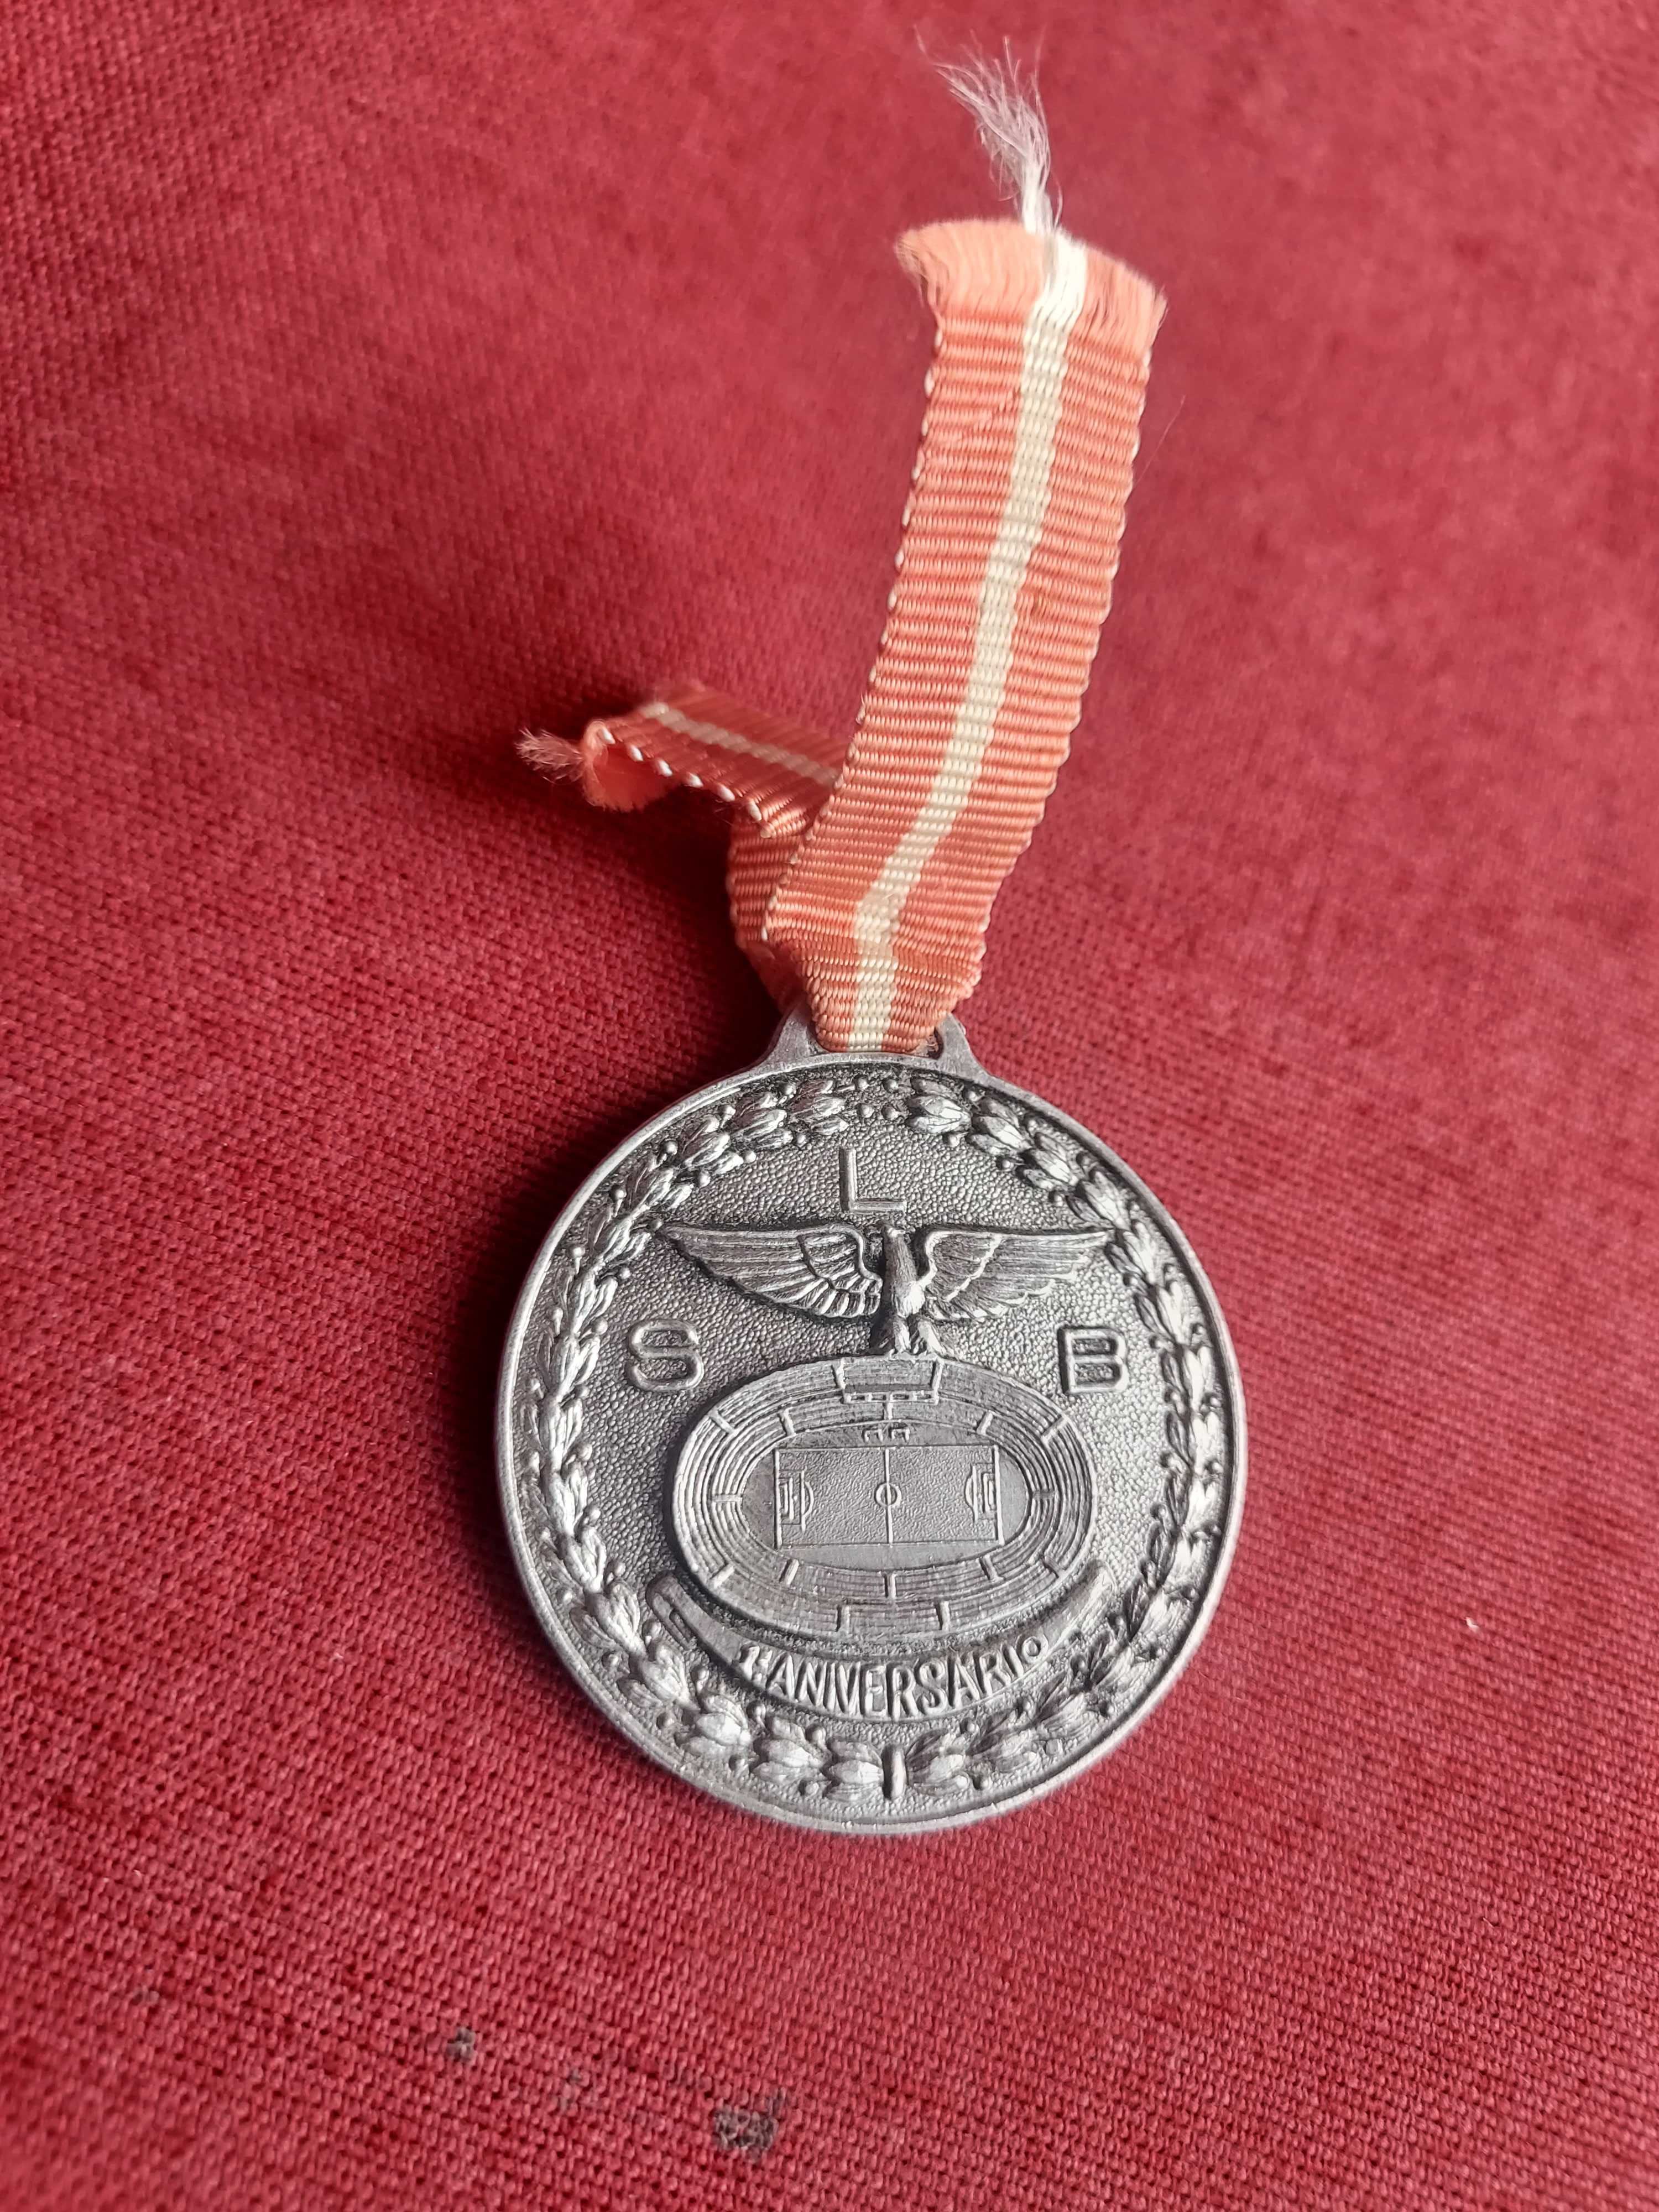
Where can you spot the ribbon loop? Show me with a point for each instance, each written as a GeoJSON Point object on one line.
{"type": "Point", "coordinates": [863, 874]}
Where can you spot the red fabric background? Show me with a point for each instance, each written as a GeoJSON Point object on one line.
{"type": "Point", "coordinates": [379, 379]}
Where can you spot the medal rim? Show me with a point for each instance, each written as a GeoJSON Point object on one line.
{"type": "Point", "coordinates": [957, 1059]}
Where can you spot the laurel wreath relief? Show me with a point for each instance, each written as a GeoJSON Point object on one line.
{"type": "Point", "coordinates": [678, 1692]}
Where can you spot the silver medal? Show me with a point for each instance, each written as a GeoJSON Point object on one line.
{"type": "Point", "coordinates": [871, 1442]}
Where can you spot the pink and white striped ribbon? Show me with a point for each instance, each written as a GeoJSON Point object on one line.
{"type": "Point", "coordinates": [863, 873]}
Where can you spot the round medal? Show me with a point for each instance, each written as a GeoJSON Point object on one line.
{"type": "Point", "coordinates": [871, 1442]}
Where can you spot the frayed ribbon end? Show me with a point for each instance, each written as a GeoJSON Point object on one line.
{"type": "Point", "coordinates": [977, 269]}
{"type": "Point", "coordinates": [595, 764]}
{"type": "Point", "coordinates": [557, 759]}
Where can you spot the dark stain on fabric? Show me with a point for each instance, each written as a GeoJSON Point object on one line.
{"type": "Point", "coordinates": [462, 2047]}
{"type": "Point", "coordinates": [749, 2133]}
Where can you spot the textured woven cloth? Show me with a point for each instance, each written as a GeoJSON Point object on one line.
{"type": "Point", "coordinates": [379, 382]}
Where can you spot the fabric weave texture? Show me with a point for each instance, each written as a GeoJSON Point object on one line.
{"type": "Point", "coordinates": [379, 381]}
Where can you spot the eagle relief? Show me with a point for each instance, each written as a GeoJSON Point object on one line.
{"type": "Point", "coordinates": [842, 1271]}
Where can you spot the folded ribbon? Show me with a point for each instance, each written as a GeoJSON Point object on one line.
{"type": "Point", "coordinates": [863, 873]}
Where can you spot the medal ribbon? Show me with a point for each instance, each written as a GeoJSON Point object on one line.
{"type": "Point", "coordinates": [863, 872]}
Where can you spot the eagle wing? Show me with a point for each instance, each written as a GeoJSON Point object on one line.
{"type": "Point", "coordinates": [822, 1268]}
{"type": "Point", "coordinates": [974, 1274]}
